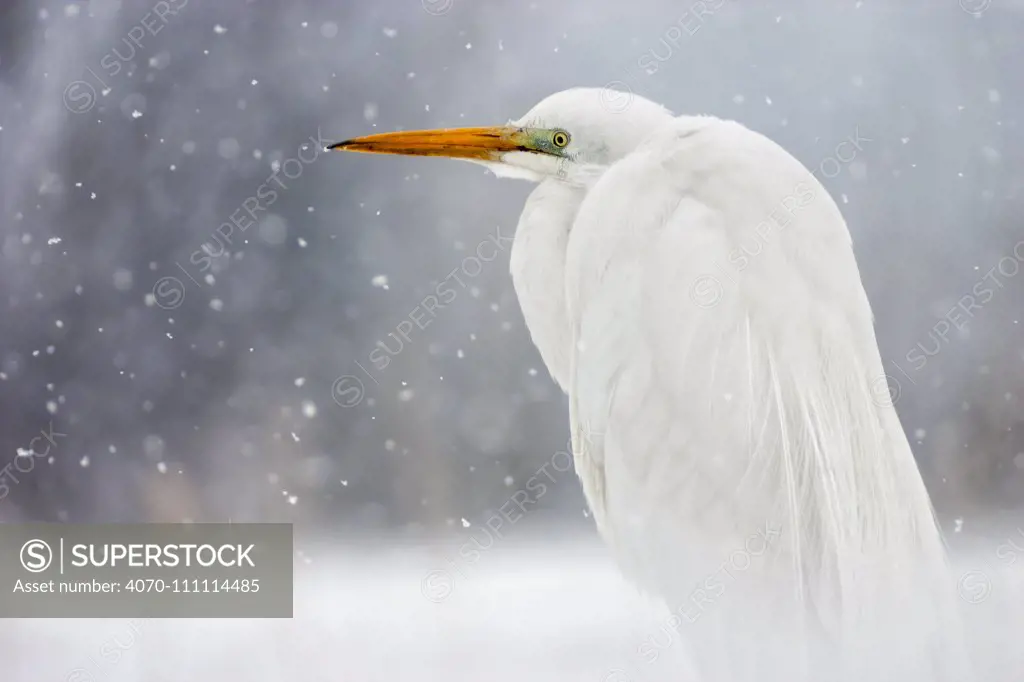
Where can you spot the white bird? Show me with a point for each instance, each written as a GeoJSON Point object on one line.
{"type": "Point", "coordinates": [693, 289]}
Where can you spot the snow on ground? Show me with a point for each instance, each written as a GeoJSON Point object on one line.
{"type": "Point", "coordinates": [538, 612]}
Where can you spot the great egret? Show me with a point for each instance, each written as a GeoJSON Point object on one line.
{"type": "Point", "coordinates": [693, 288]}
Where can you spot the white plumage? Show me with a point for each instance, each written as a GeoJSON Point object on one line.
{"type": "Point", "coordinates": [693, 288]}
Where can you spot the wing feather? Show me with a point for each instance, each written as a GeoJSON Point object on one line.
{"type": "Point", "coordinates": [721, 379]}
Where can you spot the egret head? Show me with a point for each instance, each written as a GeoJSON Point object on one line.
{"type": "Point", "coordinates": [567, 135]}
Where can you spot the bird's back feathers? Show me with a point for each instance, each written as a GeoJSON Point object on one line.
{"type": "Point", "coordinates": [725, 385]}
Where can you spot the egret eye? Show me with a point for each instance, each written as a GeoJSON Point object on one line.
{"type": "Point", "coordinates": [560, 139]}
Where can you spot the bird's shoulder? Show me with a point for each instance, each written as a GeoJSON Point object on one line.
{"type": "Point", "coordinates": [707, 193]}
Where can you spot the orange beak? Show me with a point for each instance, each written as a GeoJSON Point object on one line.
{"type": "Point", "coordinates": [487, 144]}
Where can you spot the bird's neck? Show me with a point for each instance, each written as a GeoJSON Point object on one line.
{"type": "Point", "coordinates": [538, 270]}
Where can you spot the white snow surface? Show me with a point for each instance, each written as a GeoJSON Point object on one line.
{"type": "Point", "coordinates": [519, 610]}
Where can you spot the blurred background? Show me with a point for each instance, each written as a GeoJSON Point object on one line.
{"type": "Point", "coordinates": [204, 317]}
